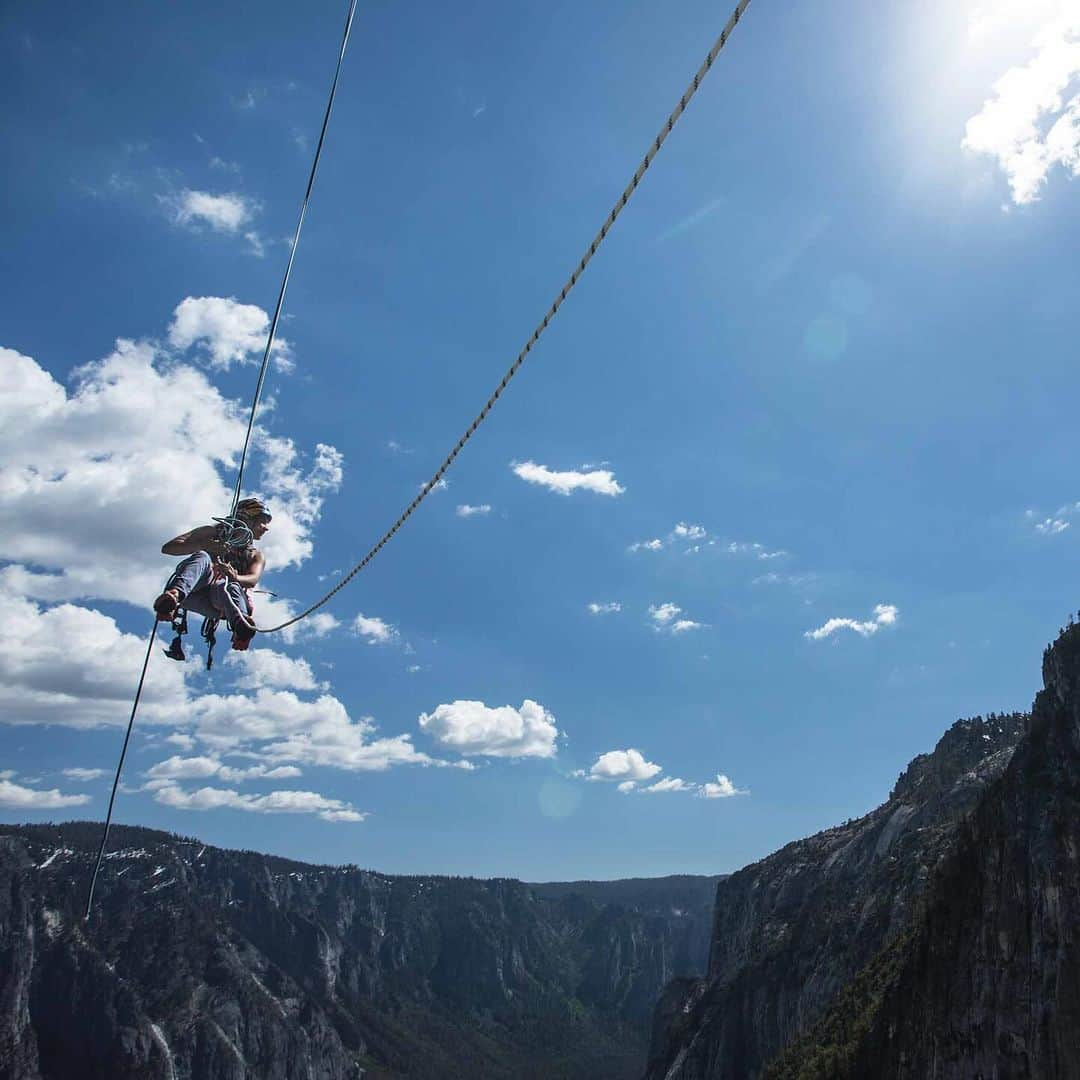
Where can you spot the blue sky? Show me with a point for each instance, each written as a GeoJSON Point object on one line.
{"type": "Point", "coordinates": [816, 393]}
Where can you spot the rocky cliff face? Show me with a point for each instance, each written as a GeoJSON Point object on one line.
{"type": "Point", "coordinates": [791, 931]}
{"type": "Point", "coordinates": [985, 980]}
{"type": "Point", "coordinates": [217, 965]}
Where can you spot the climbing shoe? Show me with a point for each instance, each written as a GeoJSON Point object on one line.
{"type": "Point", "coordinates": [166, 604]}
{"type": "Point", "coordinates": [243, 630]}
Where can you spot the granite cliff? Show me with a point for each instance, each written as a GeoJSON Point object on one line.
{"type": "Point", "coordinates": [222, 965]}
{"type": "Point", "coordinates": [791, 931]}
{"type": "Point", "coordinates": [985, 979]}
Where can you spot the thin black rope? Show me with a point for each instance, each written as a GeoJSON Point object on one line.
{"type": "Point", "coordinates": [247, 437]}
{"type": "Point", "coordinates": [292, 255]}
{"type": "Point", "coordinates": [119, 769]}
{"type": "Point", "coordinates": [616, 210]}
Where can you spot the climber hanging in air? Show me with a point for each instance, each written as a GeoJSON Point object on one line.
{"type": "Point", "coordinates": [215, 579]}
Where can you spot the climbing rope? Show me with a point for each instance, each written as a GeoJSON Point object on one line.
{"type": "Point", "coordinates": [616, 210]}
{"type": "Point", "coordinates": [292, 255]}
{"type": "Point", "coordinates": [119, 769]}
{"type": "Point", "coordinates": [235, 532]}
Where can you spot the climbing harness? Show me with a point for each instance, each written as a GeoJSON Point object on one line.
{"type": "Point", "coordinates": [230, 522]}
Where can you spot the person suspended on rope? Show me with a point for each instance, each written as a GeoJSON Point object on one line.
{"type": "Point", "coordinates": [221, 568]}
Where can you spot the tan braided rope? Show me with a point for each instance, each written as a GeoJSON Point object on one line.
{"type": "Point", "coordinates": [616, 210]}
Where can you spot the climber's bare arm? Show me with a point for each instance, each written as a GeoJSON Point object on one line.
{"type": "Point", "coordinates": [204, 538]}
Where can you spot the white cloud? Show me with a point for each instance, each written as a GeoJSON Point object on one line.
{"type": "Point", "coordinates": [465, 510]}
{"type": "Point", "coordinates": [623, 765]}
{"type": "Point", "coordinates": [228, 212]}
{"type": "Point", "coordinates": [273, 802]}
{"type": "Point", "coordinates": [758, 551]}
{"type": "Point", "coordinates": [1056, 523]}
{"type": "Point", "coordinates": [1051, 526]}
{"type": "Point", "coordinates": [73, 666]}
{"type": "Point", "coordinates": [1032, 122]}
{"type": "Point", "coordinates": [279, 728]}
{"type": "Point", "coordinates": [884, 615]}
{"type": "Point", "coordinates": [683, 531]}
{"type": "Point", "coordinates": [84, 774]}
{"type": "Point", "coordinates": [267, 668]}
{"type": "Point", "coordinates": [79, 468]}
{"type": "Point", "coordinates": [610, 608]}
{"type": "Point", "coordinates": [601, 481]}
{"type": "Point", "coordinates": [373, 630]}
{"type": "Point", "coordinates": [472, 728]}
{"type": "Point", "coordinates": [722, 789]}
{"type": "Point", "coordinates": [179, 738]}
{"type": "Point", "coordinates": [665, 619]}
{"type": "Point", "coordinates": [180, 768]}
{"type": "Point", "coordinates": [16, 797]}
{"type": "Point", "coordinates": [442, 484]}
{"type": "Point", "coordinates": [672, 783]}
{"type": "Point", "coordinates": [699, 538]}
{"type": "Point", "coordinates": [627, 786]}
{"type": "Point", "coordinates": [663, 614]}
{"type": "Point", "coordinates": [795, 580]}
{"type": "Point", "coordinates": [228, 331]}
{"type": "Point", "coordinates": [202, 768]}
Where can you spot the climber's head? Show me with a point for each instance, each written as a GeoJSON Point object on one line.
{"type": "Point", "coordinates": [255, 515]}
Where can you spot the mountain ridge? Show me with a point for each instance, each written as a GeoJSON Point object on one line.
{"type": "Point", "coordinates": [791, 930]}
{"type": "Point", "coordinates": [213, 963]}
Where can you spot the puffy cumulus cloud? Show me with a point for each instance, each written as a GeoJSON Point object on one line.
{"type": "Point", "coordinates": [466, 510]}
{"type": "Point", "coordinates": [181, 768]}
{"type": "Point", "coordinates": [295, 496]}
{"type": "Point", "coordinates": [671, 783]}
{"type": "Point", "coordinates": [665, 619]}
{"type": "Point", "coordinates": [228, 212]}
{"type": "Point", "coordinates": [279, 728]}
{"type": "Point", "coordinates": [627, 786]}
{"type": "Point", "coordinates": [202, 768]}
{"type": "Point", "coordinates": [373, 630]}
{"type": "Point", "coordinates": [723, 788]}
{"type": "Point", "coordinates": [78, 773]}
{"type": "Point", "coordinates": [473, 729]}
{"type": "Point", "coordinates": [16, 797]}
{"type": "Point", "coordinates": [273, 802]}
{"type": "Point", "coordinates": [683, 531]}
{"type": "Point", "coordinates": [612, 607]}
{"type": "Point", "coordinates": [229, 332]}
{"type": "Point", "coordinates": [80, 467]}
{"type": "Point", "coordinates": [73, 666]}
{"type": "Point", "coordinates": [655, 544]}
{"type": "Point", "coordinates": [1032, 123]}
{"type": "Point", "coordinates": [884, 615]}
{"type": "Point", "coordinates": [600, 481]}
{"type": "Point", "coordinates": [623, 765]}
{"type": "Point", "coordinates": [258, 668]}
